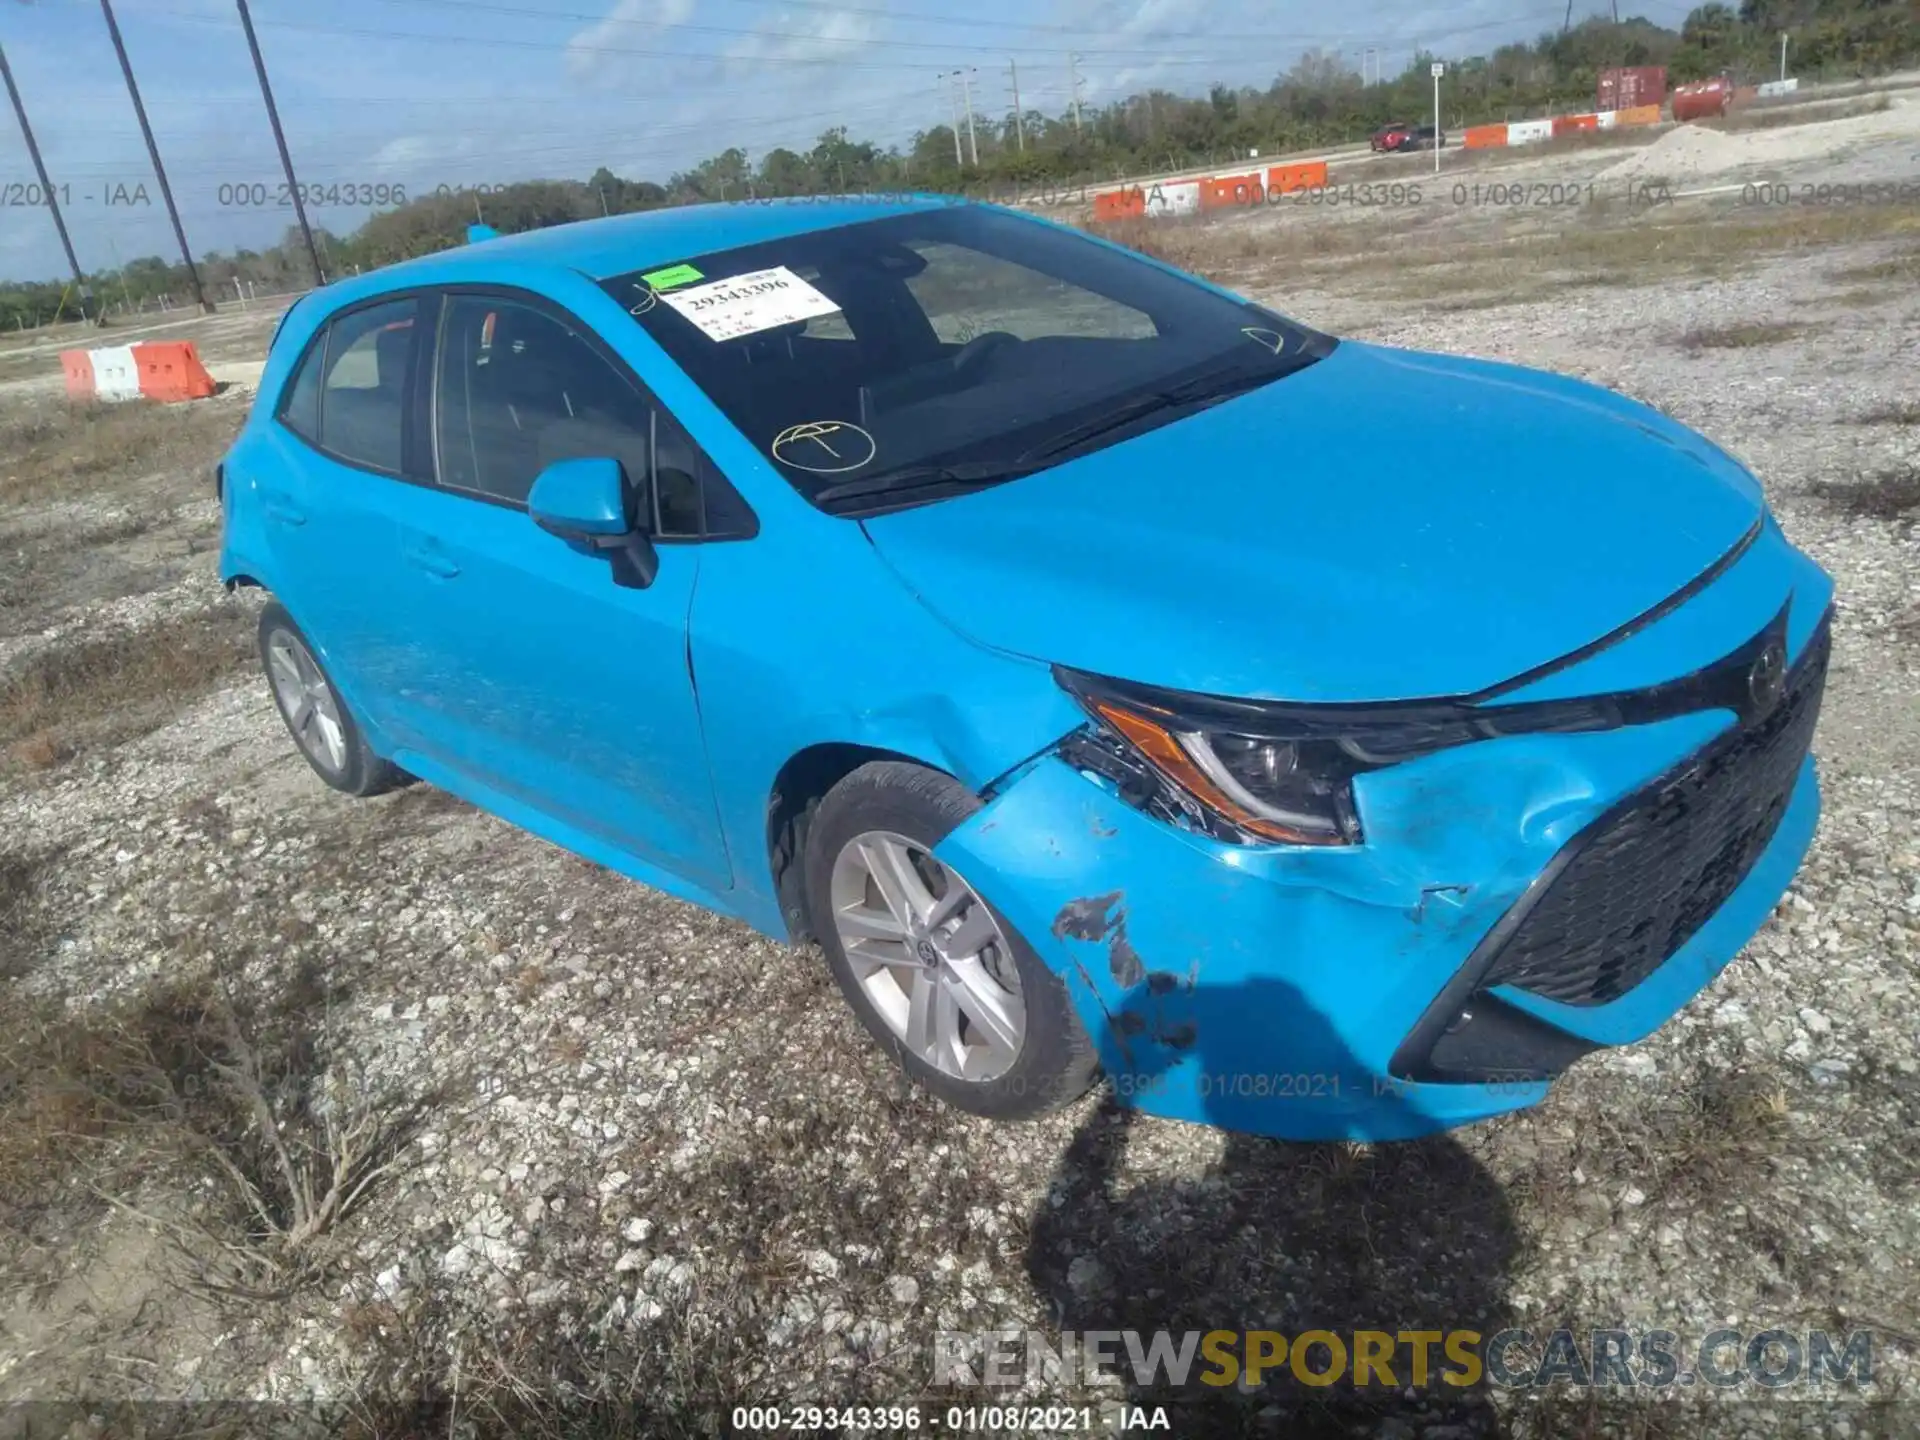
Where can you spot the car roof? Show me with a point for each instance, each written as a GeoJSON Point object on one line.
{"type": "Point", "coordinates": [620, 244]}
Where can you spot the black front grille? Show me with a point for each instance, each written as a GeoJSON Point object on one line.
{"type": "Point", "coordinates": [1645, 877]}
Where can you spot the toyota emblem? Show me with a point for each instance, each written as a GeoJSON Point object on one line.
{"type": "Point", "coordinates": [1768, 677]}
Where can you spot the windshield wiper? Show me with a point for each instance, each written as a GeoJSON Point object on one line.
{"type": "Point", "coordinates": [1205, 390]}
{"type": "Point", "coordinates": [970, 476]}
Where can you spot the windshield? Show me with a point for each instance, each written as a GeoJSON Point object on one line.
{"type": "Point", "coordinates": [946, 349]}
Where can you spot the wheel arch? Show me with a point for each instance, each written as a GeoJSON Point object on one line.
{"type": "Point", "coordinates": [801, 784]}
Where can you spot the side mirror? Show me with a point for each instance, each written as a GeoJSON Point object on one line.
{"type": "Point", "coordinates": [583, 501]}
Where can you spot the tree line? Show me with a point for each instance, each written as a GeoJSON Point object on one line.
{"type": "Point", "coordinates": [1320, 101]}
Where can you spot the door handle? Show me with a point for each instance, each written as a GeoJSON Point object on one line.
{"type": "Point", "coordinates": [432, 559]}
{"type": "Point", "coordinates": [278, 507]}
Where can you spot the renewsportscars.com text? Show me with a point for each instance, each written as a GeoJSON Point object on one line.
{"type": "Point", "coordinates": [1360, 1359]}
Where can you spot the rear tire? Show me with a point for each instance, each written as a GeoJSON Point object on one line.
{"type": "Point", "coordinates": [954, 993]}
{"type": "Point", "coordinates": [323, 728]}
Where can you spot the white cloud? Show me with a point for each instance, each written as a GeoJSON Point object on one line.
{"type": "Point", "coordinates": [817, 35]}
{"type": "Point", "coordinates": [629, 23]}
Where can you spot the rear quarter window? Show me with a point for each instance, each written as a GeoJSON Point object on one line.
{"type": "Point", "coordinates": [363, 384]}
{"type": "Point", "coordinates": [300, 409]}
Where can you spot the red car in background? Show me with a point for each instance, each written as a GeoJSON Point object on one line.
{"type": "Point", "coordinates": [1395, 138]}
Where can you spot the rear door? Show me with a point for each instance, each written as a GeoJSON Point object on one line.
{"type": "Point", "coordinates": [325, 481]}
{"type": "Point", "coordinates": [530, 670]}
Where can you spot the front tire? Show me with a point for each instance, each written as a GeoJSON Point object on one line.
{"type": "Point", "coordinates": [323, 728]}
{"type": "Point", "coordinates": [941, 980]}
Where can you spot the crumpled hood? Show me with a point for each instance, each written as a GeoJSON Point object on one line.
{"type": "Point", "coordinates": [1385, 524]}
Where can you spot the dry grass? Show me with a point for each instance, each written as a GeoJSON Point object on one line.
{"type": "Point", "coordinates": [1648, 244]}
{"type": "Point", "coordinates": [1773, 116]}
{"type": "Point", "coordinates": [20, 882]}
{"type": "Point", "coordinates": [69, 697]}
{"type": "Point", "coordinates": [1744, 335]}
{"type": "Point", "coordinates": [61, 451]}
{"type": "Point", "coordinates": [45, 563]}
{"type": "Point", "coordinates": [1898, 270]}
{"type": "Point", "coordinates": [1899, 412]}
{"type": "Point", "coordinates": [1890, 494]}
{"type": "Point", "coordinates": [1207, 243]}
{"type": "Point", "coordinates": [240, 1106]}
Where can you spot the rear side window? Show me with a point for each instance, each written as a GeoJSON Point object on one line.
{"type": "Point", "coordinates": [301, 411]}
{"type": "Point", "coordinates": [363, 397]}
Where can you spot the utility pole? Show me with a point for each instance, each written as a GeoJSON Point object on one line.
{"type": "Point", "coordinates": [1783, 55]}
{"type": "Point", "coordinates": [280, 139]}
{"type": "Point", "coordinates": [1438, 70]}
{"type": "Point", "coordinates": [1019, 122]}
{"type": "Point", "coordinates": [953, 104]}
{"type": "Point", "coordinates": [46, 185]}
{"type": "Point", "coordinates": [1073, 88]}
{"type": "Point", "coordinates": [966, 93]}
{"type": "Point", "coordinates": [121, 270]}
{"type": "Point", "coordinates": [153, 154]}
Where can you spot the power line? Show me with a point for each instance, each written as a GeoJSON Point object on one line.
{"type": "Point", "coordinates": [596, 150]}
{"type": "Point", "coordinates": [1156, 54]}
{"type": "Point", "coordinates": [691, 27]}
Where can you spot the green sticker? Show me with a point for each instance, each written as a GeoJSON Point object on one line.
{"type": "Point", "coordinates": [671, 276]}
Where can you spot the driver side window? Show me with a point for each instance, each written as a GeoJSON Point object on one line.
{"type": "Point", "coordinates": [518, 388]}
{"type": "Point", "coordinates": [968, 293]}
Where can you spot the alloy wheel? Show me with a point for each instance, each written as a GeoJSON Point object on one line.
{"type": "Point", "coordinates": [307, 701]}
{"type": "Point", "coordinates": [929, 956]}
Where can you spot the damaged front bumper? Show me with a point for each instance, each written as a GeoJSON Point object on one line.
{"type": "Point", "coordinates": [1518, 902]}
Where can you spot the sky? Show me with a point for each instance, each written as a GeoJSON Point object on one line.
{"type": "Point", "coordinates": [430, 93]}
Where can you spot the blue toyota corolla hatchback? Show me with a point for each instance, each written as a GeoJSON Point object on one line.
{"type": "Point", "coordinates": [1077, 651]}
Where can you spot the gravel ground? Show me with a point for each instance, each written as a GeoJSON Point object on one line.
{"type": "Point", "coordinates": [645, 1153]}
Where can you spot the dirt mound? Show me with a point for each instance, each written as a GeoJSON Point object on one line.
{"type": "Point", "coordinates": [1683, 153]}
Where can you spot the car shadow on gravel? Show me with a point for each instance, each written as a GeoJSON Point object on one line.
{"type": "Point", "coordinates": [1337, 1236]}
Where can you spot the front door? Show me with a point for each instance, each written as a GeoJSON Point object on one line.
{"type": "Point", "coordinates": [529, 668]}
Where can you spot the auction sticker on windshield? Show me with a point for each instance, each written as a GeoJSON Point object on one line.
{"type": "Point", "coordinates": [747, 304]}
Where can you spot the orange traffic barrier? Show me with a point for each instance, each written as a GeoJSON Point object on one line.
{"type": "Point", "coordinates": [77, 367]}
{"type": "Point", "coordinates": [1573, 124]}
{"type": "Point", "coordinates": [172, 371]}
{"type": "Point", "coordinates": [1485, 137]}
{"type": "Point", "coordinates": [163, 371]}
{"type": "Point", "coordinates": [1283, 179]}
{"type": "Point", "coordinates": [1127, 204]}
{"type": "Point", "coordinates": [1637, 115]}
{"type": "Point", "coordinates": [1231, 190]}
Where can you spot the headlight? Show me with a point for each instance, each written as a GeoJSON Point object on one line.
{"type": "Point", "coordinates": [1258, 771]}
{"type": "Point", "coordinates": [1297, 792]}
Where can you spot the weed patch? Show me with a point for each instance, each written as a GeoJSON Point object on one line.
{"type": "Point", "coordinates": [64, 699]}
